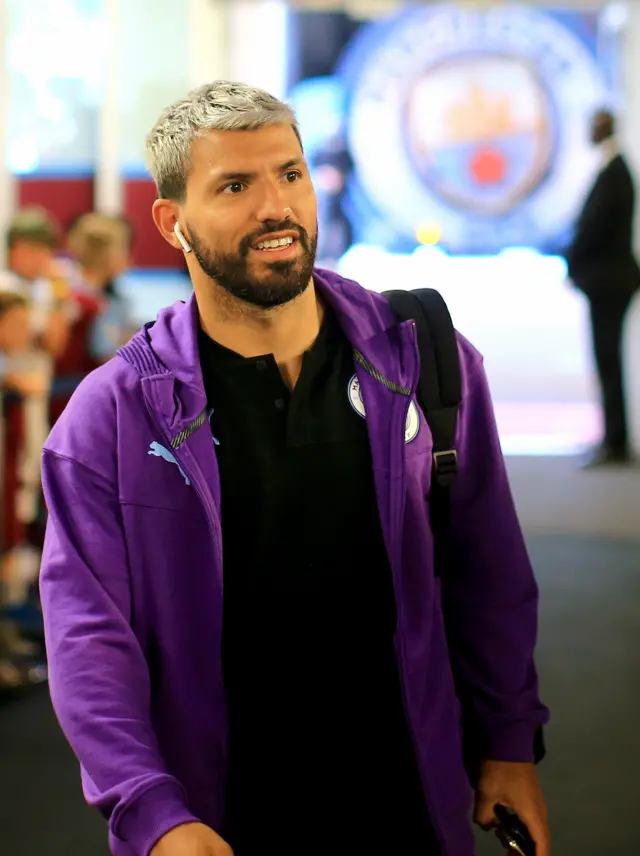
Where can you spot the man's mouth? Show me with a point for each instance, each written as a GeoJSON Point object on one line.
{"type": "Point", "coordinates": [275, 244]}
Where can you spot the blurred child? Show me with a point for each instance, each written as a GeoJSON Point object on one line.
{"type": "Point", "coordinates": [18, 381]}
{"type": "Point", "coordinates": [33, 273]}
{"type": "Point", "coordinates": [15, 326]}
{"type": "Point", "coordinates": [99, 248]}
{"type": "Point", "coordinates": [115, 326]}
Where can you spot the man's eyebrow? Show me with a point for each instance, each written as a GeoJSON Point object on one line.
{"type": "Point", "coordinates": [291, 163]}
{"type": "Point", "coordinates": [236, 176]}
{"type": "Point", "coordinates": [248, 176]}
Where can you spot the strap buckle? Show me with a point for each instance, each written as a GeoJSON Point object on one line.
{"type": "Point", "coordinates": [445, 465]}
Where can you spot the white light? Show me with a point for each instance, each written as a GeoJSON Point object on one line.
{"type": "Point", "coordinates": [614, 17]}
{"type": "Point", "coordinates": [259, 44]}
{"type": "Point", "coordinates": [23, 156]}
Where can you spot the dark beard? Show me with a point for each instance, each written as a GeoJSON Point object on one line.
{"type": "Point", "coordinates": [284, 281]}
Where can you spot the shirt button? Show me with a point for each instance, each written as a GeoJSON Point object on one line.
{"type": "Point", "coordinates": [261, 365]}
{"type": "Point", "coordinates": [279, 403]}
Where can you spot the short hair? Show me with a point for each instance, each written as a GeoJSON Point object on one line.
{"type": "Point", "coordinates": [11, 300]}
{"type": "Point", "coordinates": [219, 106]}
{"type": "Point", "coordinates": [34, 226]}
{"type": "Point", "coordinates": [94, 236]}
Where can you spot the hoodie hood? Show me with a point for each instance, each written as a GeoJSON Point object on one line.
{"type": "Point", "coordinates": [174, 335]}
{"type": "Point", "coordinates": [166, 352]}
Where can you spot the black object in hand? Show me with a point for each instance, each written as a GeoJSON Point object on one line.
{"type": "Point", "coordinates": [513, 833]}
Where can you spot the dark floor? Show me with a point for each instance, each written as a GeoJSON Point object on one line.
{"type": "Point", "coordinates": [589, 657]}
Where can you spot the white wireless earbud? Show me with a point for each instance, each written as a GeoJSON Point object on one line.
{"type": "Point", "coordinates": [186, 246]}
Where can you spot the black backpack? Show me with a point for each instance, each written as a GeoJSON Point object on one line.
{"type": "Point", "coordinates": [439, 395]}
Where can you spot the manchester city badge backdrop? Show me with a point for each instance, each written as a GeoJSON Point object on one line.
{"type": "Point", "coordinates": [449, 125]}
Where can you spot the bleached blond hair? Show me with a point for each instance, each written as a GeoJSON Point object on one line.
{"type": "Point", "coordinates": [219, 106]}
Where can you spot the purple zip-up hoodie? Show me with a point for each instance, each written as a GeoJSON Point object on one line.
{"type": "Point", "coordinates": [132, 578]}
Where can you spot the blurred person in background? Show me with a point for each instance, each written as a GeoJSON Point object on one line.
{"type": "Point", "coordinates": [99, 250]}
{"type": "Point", "coordinates": [16, 379]}
{"type": "Point", "coordinates": [115, 326]}
{"type": "Point", "coordinates": [33, 273]}
{"type": "Point", "coordinates": [603, 266]}
{"type": "Point", "coordinates": [311, 708]}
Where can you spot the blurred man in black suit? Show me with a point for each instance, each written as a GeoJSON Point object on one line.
{"type": "Point", "coordinates": [602, 265]}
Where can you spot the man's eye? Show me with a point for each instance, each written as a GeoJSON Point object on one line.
{"type": "Point", "coordinates": [235, 187]}
{"type": "Point", "coordinates": [292, 176]}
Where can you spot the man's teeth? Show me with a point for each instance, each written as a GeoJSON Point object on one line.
{"type": "Point", "coordinates": [271, 245]}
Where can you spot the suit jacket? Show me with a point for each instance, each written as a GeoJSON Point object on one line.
{"type": "Point", "coordinates": [601, 257]}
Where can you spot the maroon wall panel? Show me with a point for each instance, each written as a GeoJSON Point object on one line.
{"type": "Point", "coordinates": [64, 197]}
{"type": "Point", "coordinates": [149, 247]}
{"type": "Point", "coordinates": [67, 197]}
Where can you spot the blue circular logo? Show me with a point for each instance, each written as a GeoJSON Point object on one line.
{"type": "Point", "coordinates": [474, 122]}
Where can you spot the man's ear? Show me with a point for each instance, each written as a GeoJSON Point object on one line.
{"type": "Point", "coordinates": [165, 216]}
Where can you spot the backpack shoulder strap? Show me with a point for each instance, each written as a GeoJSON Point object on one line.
{"type": "Point", "coordinates": [439, 396]}
{"type": "Point", "coordinates": [440, 385]}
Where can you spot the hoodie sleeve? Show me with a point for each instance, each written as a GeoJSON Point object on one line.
{"type": "Point", "coordinates": [490, 594]}
{"type": "Point", "coordinates": [99, 681]}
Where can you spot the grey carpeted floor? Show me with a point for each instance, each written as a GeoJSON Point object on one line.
{"type": "Point", "coordinates": [589, 656]}
{"type": "Point", "coordinates": [589, 659]}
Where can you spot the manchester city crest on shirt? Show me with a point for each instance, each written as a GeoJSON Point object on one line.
{"type": "Point", "coordinates": [355, 397]}
{"type": "Point", "coordinates": [412, 423]}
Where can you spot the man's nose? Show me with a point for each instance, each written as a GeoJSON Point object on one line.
{"type": "Point", "coordinates": [273, 204]}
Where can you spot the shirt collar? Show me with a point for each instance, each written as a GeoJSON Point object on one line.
{"type": "Point", "coordinates": [213, 355]}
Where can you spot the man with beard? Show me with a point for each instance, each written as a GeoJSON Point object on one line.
{"type": "Point", "coordinates": [239, 538]}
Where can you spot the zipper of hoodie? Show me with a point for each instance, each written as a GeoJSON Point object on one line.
{"type": "Point", "coordinates": [210, 512]}
{"type": "Point", "coordinates": [400, 648]}
{"type": "Point", "coordinates": [211, 515]}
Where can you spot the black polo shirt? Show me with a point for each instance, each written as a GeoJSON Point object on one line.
{"type": "Point", "coordinates": [319, 744]}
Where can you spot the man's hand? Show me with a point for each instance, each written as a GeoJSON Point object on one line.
{"type": "Point", "coordinates": [517, 787]}
{"type": "Point", "coordinates": [191, 839]}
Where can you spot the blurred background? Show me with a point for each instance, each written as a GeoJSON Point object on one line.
{"type": "Point", "coordinates": [450, 147]}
